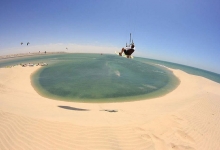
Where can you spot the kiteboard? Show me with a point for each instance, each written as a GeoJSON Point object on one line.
{"type": "Point", "coordinates": [123, 55]}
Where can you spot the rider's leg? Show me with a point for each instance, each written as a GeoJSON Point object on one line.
{"type": "Point", "coordinates": [122, 50]}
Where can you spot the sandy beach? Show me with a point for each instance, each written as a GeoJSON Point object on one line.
{"type": "Point", "coordinates": [187, 118]}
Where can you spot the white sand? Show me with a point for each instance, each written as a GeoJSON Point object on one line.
{"type": "Point", "coordinates": [188, 118]}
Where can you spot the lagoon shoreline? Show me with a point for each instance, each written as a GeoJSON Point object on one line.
{"type": "Point", "coordinates": [112, 81]}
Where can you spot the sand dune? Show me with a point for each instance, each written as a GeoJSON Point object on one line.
{"type": "Point", "coordinates": [187, 118]}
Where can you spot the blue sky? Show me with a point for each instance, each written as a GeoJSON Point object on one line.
{"type": "Point", "coordinates": [180, 31]}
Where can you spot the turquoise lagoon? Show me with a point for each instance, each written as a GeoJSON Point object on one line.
{"type": "Point", "coordinates": [103, 78]}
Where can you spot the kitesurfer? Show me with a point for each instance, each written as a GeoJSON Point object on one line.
{"type": "Point", "coordinates": [128, 50]}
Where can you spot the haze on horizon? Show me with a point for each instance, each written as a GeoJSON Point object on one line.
{"type": "Point", "coordinates": [183, 31]}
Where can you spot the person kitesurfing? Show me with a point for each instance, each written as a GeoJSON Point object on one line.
{"type": "Point", "coordinates": [128, 50]}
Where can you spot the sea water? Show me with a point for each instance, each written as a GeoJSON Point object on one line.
{"type": "Point", "coordinates": [103, 78]}
{"type": "Point", "coordinates": [191, 70]}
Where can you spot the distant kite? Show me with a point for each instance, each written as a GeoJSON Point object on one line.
{"type": "Point", "coordinates": [21, 43]}
{"type": "Point", "coordinates": [28, 43]}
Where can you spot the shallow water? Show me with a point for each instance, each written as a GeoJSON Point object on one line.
{"type": "Point", "coordinates": [102, 78]}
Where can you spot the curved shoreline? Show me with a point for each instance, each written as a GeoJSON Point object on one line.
{"type": "Point", "coordinates": [176, 119]}
{"type": "Point", "coordinates": [170, 86]}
